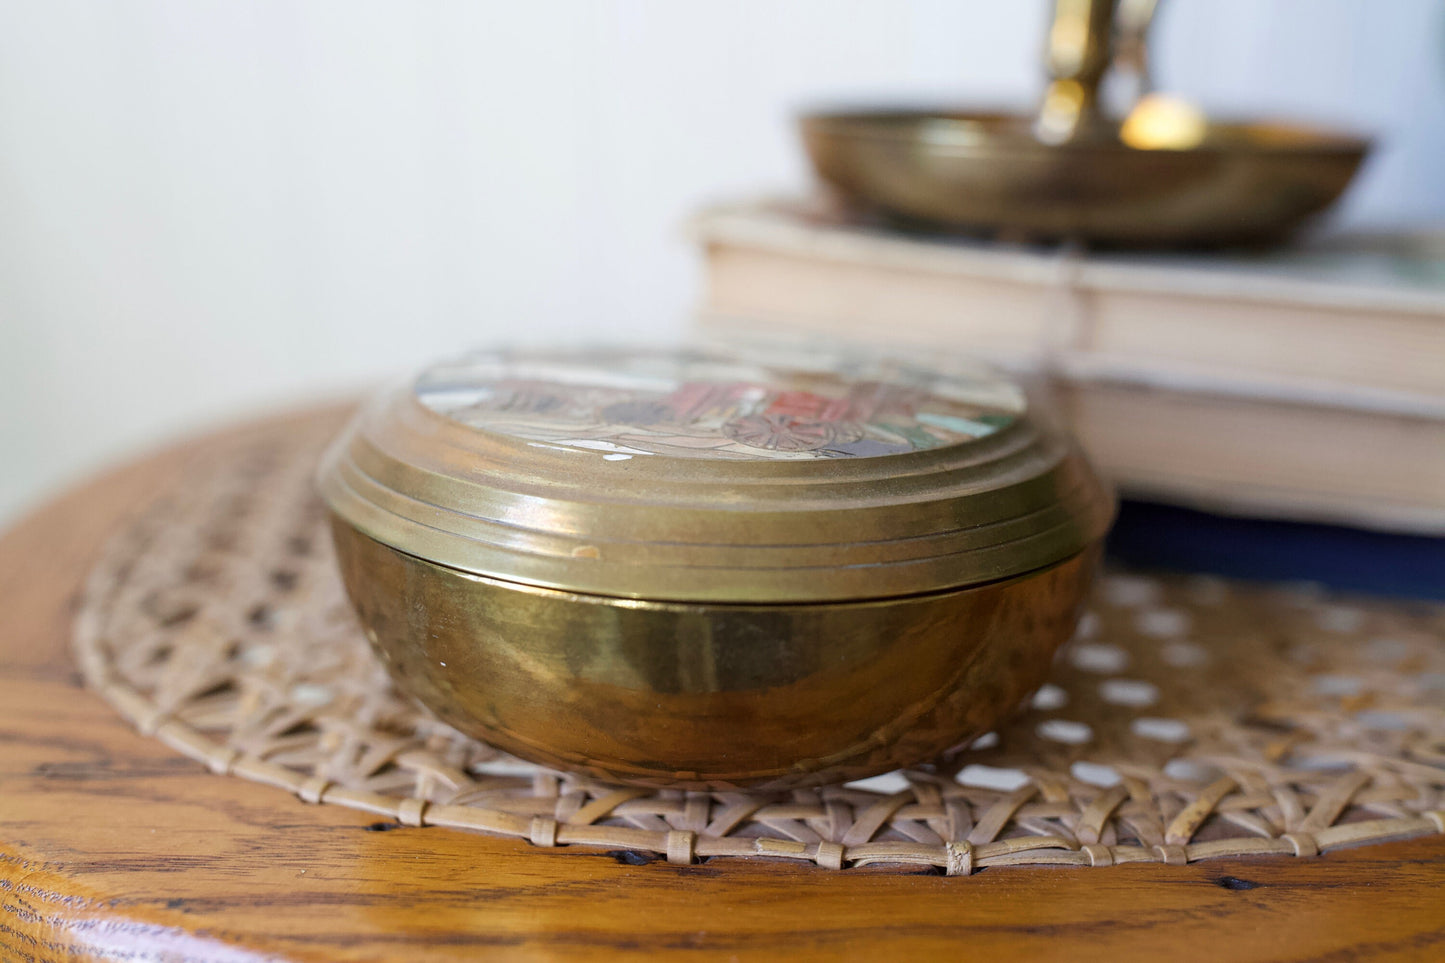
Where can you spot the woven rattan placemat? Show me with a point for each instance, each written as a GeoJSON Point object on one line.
{"type": "Point", "coordinates": [1191, 718]}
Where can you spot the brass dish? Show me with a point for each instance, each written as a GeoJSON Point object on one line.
{"type": "Point", "coordinates": [1163, 176]}
{"type": "Point", "coordinates": [711, 568]}
{"type": "Point", "coordinates": [1241, 184]}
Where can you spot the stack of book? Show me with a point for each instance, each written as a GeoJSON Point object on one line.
{"type": "Point", "coordinates": [1307, 383]}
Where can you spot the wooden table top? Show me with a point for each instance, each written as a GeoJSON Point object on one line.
{"type": "Point", "coordinates": [114, 847]}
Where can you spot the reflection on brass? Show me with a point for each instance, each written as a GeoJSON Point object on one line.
{"type": "Point", "coordinates": [708, 695]}
{"type": "Point", "coordinates": [1159, 122]}
{"type": "Point", "coordinates": [1168, 178]}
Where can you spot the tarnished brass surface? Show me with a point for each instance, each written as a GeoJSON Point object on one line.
{"type": "Point", "coordinates": [710, 695]}
{"type": "Point", "coordinates": [1244, 183]}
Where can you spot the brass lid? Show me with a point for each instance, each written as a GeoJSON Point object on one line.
{"type": "Point", "coordinates": [715, 475]}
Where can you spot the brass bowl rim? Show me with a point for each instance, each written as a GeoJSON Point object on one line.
{"type": "Point", "coordinates": [1243, 137]}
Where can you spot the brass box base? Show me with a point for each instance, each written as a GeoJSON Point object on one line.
{"type": "Point", "coordinates": [711, 696]}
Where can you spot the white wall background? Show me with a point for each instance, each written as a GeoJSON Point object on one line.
{"type": "Point", "coordinates": [208, 206]}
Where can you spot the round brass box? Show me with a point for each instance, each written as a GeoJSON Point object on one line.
{"type": "Point", "coordinates": [713, 568]}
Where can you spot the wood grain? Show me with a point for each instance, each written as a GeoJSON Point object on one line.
{"type": "Point", "coordinates": [114, 848]}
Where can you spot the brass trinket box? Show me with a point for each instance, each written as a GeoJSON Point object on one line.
{"type": "Point", "coordinates": [712, 567]}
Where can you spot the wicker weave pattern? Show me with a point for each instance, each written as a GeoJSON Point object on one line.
{"type": "Point", "coordinates": [1191, 719]}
